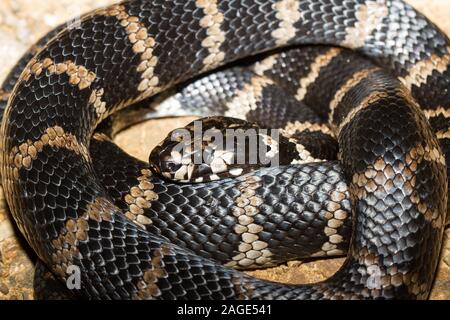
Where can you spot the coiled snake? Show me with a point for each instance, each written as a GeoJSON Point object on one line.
{"type": "Point", "coordinates": [75, 207]}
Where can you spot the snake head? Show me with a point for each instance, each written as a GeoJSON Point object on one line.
{"type": "Point", "coordinates": [190, 154]}
{"type": "Point", "coordinates": [215, 148]}
{"type": "Point", "coordinates": [165, 160]}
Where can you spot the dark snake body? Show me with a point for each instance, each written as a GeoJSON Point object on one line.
{"type": "Point", "coordinates": [390, 157]}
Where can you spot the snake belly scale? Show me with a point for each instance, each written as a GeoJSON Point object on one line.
{"type": "Point", "coordinates": [393, 159]}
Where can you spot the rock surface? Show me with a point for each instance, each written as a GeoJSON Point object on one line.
{"type": "Point", "coordinates": [22, 22]}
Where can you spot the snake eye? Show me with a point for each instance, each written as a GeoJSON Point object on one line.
{"type": "Point", "coordinates": [169, 166]}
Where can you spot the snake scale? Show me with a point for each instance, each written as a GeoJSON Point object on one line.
{"type": "Point", "coordinates": [388, 188]}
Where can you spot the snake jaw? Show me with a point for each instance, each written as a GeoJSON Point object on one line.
{"type": "Point", "coordinates": [162, 163]}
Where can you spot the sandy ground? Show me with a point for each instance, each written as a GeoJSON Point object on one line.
{"type": "Point", "coordinates": [22, 22]}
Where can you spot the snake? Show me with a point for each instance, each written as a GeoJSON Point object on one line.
{"type": "Point", "coordinates": [135, 235]}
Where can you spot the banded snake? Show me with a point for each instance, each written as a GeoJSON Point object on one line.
{"type": "Point", "coordinates": [43, 134]}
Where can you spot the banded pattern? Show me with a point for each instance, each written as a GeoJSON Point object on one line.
{"type": "Point", "coordinates": [245, 100]}
{"type": "Point", "coordinates": [398, 222]}
{"type": "Point", "coordinates": [142, 44]}
{"type": "Point", "coordinates": [287, 12]}
{"type": "Point", "coordinates": [252, 251]}
{"type": "Point", "coordinates": [320, 62]}
{"type": "Point", "coordinates": [78, 75]}
{"type": "Point", "coordinates": [23, 155]}
{"type": "Point", "coordinates": [368, 16]}
{"type": "Point", "coordinates": [212, 22]}
{"type": "Point", "coordinates": [140, 198]}
{"type": "Point", "coordinates": [418, 74]}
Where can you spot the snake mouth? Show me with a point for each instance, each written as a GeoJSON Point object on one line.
{"type": "Point", "coordinates": [161, 163]}
{"type": "Point", "coordinates": [169, 168]}
{"type": "Point", "coordinates": [168, 162]}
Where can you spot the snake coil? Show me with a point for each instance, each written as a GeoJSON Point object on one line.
{"type": "Point", "coordinates": [391, 176]}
